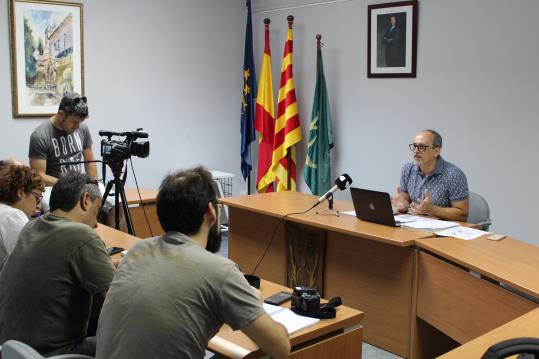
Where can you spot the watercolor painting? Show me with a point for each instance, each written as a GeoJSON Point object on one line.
{"type": "Point", "coordinates": [46, 55]}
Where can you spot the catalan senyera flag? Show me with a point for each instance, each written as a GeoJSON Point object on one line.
{"type": "Point", "coordinates": [317, 170]}
{"type": "Point", "coordinates": [248, 99]}
{"type": "Point", "coordinates": [287, 125]}
{"type": "Point", "coordinates": [265, 120]}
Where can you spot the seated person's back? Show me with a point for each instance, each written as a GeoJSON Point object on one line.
{"type": "Point", "coordinates": [170, 295]}
{"type": "Point", "coordinates": [58, 264]}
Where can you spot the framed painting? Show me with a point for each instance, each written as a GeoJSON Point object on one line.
{"type": "Point", "coordinates": [392, 39]}
{"type": "Point", "coordinates": [46, 43]}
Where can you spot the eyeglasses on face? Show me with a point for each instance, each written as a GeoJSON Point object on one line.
{"type": "Point", "coordinates": [419, 147]}
{"type": "Point", "coordinates": [37, 196]}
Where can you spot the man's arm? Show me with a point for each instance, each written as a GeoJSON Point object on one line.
{"type": "Point", "coordinates": [457, 212]}
{"type": "Point", "coordinates": [40, 166]}
{"type": "Point", "coordinates": [269, 335]}
{"type": "Point", "coordinates": [401, 201]}
{"type": "Point", "coordinates": [91, 168]}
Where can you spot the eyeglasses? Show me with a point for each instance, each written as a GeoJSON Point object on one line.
{"type": "Point", "coordinates": [419, 147]}
{"type": "Point", "coordinates": [37, 196]}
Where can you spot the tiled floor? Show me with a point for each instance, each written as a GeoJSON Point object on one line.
{"type": "Point", "coordinates": [369, 351]}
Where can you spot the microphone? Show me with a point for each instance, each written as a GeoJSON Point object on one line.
{"type": "Point", "coordinates": [341, 183]}
{"type": "Point", "coordinates": [108, 133]}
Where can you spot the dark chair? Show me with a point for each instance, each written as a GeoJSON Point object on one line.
{"type": "Point", "coordinates": [528, 348]}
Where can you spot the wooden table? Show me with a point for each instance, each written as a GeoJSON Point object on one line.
{"type": "Point", "coordinates": [422, 295]}
{"type": "Point", "coordinates": [369, 265]}
{"type": "Point", "coordinates": [526, 325]}
{"type": "Point", "coordinates": [341, 336]}
{"type": "Point", "coordinates": [330, 338]}
{"type": "Point", "coordinates": [142, 207]}
{"type": "Point", "coordinates": [467, 288]}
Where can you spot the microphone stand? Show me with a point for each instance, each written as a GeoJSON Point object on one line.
{"type": "Point", "coordinates": [330, 206]}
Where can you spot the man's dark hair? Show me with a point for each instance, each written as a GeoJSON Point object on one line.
{"type": "Point", "coordinates": [74, 104]}
{"type": "Point", "coordinates": [436, 138]}
{"type": "Point", "coordinates": [69, 189]}
{"type": "Point", "coordinates": [183, 200]}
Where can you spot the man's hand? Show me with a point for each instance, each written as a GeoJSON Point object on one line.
{"type": "Point", "coordinates": [400, 201]}
{"type": "Point", "coordinates": [424, 206]}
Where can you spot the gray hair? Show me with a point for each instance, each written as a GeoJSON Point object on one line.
{"type": "Point", "coordinates": [70, 187]}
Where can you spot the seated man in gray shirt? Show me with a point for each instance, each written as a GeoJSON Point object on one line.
{"type": "Point", "coordinates": [56, 268]}
{"type": "Point", "coordinates": [431, 185]}
{"type": "Point", "coordinates": [171, 294]}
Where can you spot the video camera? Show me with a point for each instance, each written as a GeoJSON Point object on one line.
{"type": "Point", "coordinates": [116, 150]}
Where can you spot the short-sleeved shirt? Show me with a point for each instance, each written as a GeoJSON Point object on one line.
{"type": "Point", "coordinates": [446, 184]}
{"type": "Point", "coordinates": [169, 297]}
{"type": "Point", "coordinates": [57, 147]}
{"type": "Point", "coordinates": [11, 222]}
{"type": "Point", "coordinates": [48, 281]}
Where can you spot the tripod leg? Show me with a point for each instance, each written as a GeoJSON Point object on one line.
{"type": "Point", "coordinates": [127, 215]}
{"type": "Point", "coordinates": [107, 192]}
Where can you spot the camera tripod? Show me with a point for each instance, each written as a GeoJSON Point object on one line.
{"type": "Point", "coordinates": [119, 191]}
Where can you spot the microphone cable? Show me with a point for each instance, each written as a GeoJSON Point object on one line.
{"type": "Point", "coordinates": [281, 220]}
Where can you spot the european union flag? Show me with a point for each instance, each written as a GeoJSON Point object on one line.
{"type": "Point", "coordinates": [248, 99]}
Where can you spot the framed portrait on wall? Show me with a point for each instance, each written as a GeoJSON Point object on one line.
{"type": "Point", "coordinates": [392, 39]}
{"type": "Point", "coordinates": [46, 43]}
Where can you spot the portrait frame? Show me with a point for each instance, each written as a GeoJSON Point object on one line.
{"type": "Point", "coordinates": [392, 39]}
{"type": "Point", "coordinates": [47, 54]}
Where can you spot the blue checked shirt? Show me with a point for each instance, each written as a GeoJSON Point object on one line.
{"type": "Point", "coordinates": [446, 184]}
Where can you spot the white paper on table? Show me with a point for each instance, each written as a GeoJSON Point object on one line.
{"type": "Point", "coordinates": [465, 233]}
{"type": "Point", "coordinates": [430, 224]}
{"type": "Point", "coordinates": [405, 218]}
{"type": "Point", "coordinates": [292, 321]}
{"type": "Point", "coordinates": [350, 213]}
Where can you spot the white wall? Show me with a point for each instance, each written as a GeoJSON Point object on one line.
{"type": "Point", "coordinates": [172, 67]}
{"type": "Point", "coordinates": [477, 84]}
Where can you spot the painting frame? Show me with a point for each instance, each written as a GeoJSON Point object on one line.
{"type": "Point", "coordinates": [392, 40]}
{"type": "Point", "coordinates": [46, 53]}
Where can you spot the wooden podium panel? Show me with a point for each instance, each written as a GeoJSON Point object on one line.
{"type": "Point", "coordinates": [460, 304]}
{"type": "Point", "coordinates": [377, 277]}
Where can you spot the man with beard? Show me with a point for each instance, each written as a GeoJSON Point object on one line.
{"type": "Point", "coordinates": [430, 185]}
{"type": "Point", "coordinates": [171, 293]}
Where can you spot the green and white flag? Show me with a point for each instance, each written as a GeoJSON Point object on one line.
{"type": "Point", "coordinates": [317, 170]}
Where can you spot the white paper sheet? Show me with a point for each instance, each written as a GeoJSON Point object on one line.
{"type": "Point", "coordinates": [465, 233]}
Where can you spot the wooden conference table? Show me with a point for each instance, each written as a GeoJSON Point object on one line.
{"type": "Point", "coordinates": [340, 337]}
{"type": "Point", "coordinates": [418, 295]}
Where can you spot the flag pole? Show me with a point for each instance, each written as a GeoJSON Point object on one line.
{"type": "Point", "coordinates": [290, 19]}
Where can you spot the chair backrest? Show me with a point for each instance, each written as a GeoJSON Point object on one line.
{"type": "Point", "coordinates": [13, 349]}
{"type": "Point", "coordinates": [527, 347]}
{"type": "Point", "coordinates": [478, 211]}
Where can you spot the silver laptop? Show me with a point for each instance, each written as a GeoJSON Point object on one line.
{"type": "Point", "coordinates": [373, 206]}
